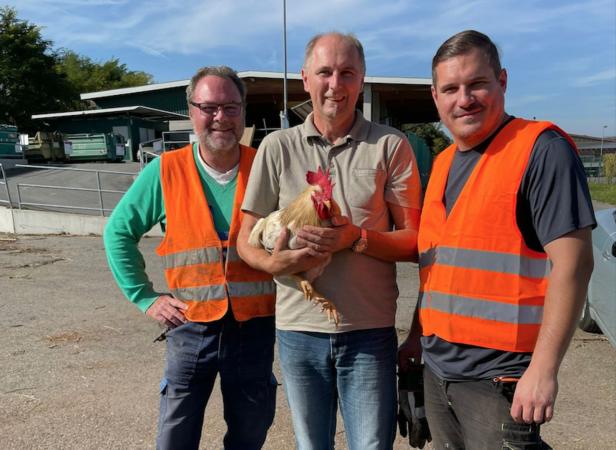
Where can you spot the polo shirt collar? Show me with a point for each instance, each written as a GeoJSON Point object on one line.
{"type": "Point", "coordinates": [358, 132]}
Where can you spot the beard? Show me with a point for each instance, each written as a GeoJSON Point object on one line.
{"type": "Point", "coordinates": [220, 143]}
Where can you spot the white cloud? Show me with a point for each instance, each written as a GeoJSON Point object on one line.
{"type": "Point", "coordinates": [600, 77]}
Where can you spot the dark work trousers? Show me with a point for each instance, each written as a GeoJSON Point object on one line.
{"type": "Point", "coordinates": [242, 353]}
{"type": "Point", "coordinates": [475, 415]}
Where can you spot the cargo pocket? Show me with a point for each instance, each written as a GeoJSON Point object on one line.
{"type": "Point", "coordinates": [163, 404]}
{"type": "Point", "coordinates": [519, 436]}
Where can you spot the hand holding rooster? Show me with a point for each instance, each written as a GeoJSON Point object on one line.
{"type": "Point", "coordinates": [341, 235]}
{"type": "Point", "coordinates": [302, 225]}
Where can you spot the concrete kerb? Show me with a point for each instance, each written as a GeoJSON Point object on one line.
{"type": "Point", "coordinates": [45, 222]}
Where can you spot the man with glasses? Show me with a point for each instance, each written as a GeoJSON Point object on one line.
{"type": "Point", "coordinates": [219, 311]}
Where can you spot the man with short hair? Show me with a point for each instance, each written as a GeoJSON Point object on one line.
{"type": "Point", "coordinates": [505, 257]}
{"type": "Point", "coordinates": [376, 184]}
{"type": "Point", "coordinates": [219, 312]}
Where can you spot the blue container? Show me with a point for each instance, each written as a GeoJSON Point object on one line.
{"type": "Point", "coordinates": [10, 147]}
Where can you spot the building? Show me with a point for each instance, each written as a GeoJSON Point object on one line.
{"type": "Point", "coordinates": [143, 113]}
{"type": "Point", "coordinates": [592, 150]}
{"type": "Point", "coordinates": [594, 146]}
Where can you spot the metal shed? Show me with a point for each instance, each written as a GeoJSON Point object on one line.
{"type": "Point", "coordinates": [136, 123]}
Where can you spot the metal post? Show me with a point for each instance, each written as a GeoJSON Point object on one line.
{"type": "Point", "coordinates": [140, 157]}
{"type": "Point", "coordinates": [100, 194]}
{"type": "Point", "coordinates": [18, 196]}
{"type": "Point", "coordinates": [284, 120]}
{"type": "Point", "coordinates": [602, 137]}
{"type": "Point", "coordinates": [8, 196]}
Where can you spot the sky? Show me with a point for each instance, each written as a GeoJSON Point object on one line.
{"type": "Point", "coordinates": [560, 55]}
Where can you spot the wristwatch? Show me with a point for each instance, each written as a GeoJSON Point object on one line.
{"type": "Point", "coordinates": [361, 244]}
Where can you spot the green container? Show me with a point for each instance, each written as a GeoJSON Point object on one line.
{"type": "Point", "coordinates": [95, 147]}
{"type": "Point", "coordinates": [423, 155]}
{"type": "Point", "coordinates": [9, 142]}
{"type": "Point", "coordinates": [45, 146]}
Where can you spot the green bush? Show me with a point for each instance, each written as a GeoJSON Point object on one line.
{"type": "Point", "coordinates": [601, 192]}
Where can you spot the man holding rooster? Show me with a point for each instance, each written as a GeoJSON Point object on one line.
{"type": "Point", "coordinates": [219, 311]}
{"type": "Point", "coordinates": [374, 182]}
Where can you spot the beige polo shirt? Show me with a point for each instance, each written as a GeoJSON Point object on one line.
{"type": "Point", "coordinates": [373, 165]}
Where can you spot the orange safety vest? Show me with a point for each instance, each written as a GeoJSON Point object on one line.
{"type": "Point", "coordinates": [480, 284]}
{"type": "Point", "coordinates": [196, 269]}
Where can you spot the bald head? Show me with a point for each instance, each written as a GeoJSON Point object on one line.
{"type": "Point", "coordinates": [348, 39]}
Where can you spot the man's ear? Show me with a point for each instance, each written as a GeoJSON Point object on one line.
{"type": "Point", "coordinates": [502, 80]}
{"type": "Point", "coordinates": [305, 80]}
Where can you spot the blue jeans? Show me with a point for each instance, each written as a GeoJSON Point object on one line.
{"type": "Point", "coordinates": [242, 353]}
{"type": "Point", "coordinates": [355, 369]}
{"type": "Point", "coordinates": [475, 415]}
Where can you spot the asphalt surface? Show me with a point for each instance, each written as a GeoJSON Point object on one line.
{"type": "Point", "coordinates": [80, 370]}
{"type": "Point", "coordinates": [69, 188]}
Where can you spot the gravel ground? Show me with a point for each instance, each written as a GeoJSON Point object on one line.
{"type": "Point", "coordinates": [80, 371]}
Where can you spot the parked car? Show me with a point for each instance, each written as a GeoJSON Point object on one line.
{"type": "Point", "coordinates": [599, 313]}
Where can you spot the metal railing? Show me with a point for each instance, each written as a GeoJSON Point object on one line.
{"type": "Point", "coordinates": [4, 182]}
{"type": "Point", "coordinates": [98, 188]}
{"type": "Point", "coordinates": [143, 160]}
{"type": "Point", "coordinates": [8, 195]}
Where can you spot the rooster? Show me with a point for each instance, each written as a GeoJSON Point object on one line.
{"type": "Point", "coordinates": [314, 206]}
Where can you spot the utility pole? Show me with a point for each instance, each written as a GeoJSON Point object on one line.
{"type": "Point", "coordinates": [284, 119]}
{"type": "Point", "coordinates": [601, 151]}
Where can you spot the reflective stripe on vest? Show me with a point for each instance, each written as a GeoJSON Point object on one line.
{"type": "Point", "coordinates": [486, 260]}
{"type": "Point", "coordinates": [251, 289]}
{"type": "Point", "coordinates": [481, 309]}
{"type": "Point", "coordinates": [217, 291]}
{"type": "Point", "coordinates": [201, 293]}
{"type": "Point", "coordinates": [208, 255]}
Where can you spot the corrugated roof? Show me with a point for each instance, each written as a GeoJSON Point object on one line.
{"type": "Point", "coordinates": [247, 74]}
{"type": "Point", "coordinates": [139, 111]}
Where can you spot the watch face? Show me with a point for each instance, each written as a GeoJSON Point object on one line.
{"type": "Point", "coordinates": [360, 246]}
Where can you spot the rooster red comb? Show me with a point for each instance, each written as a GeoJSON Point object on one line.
{"type": "Point", "coordinates": [322, 179]}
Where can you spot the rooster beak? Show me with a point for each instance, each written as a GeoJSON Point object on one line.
{"type": "Point", "coordinates": [327, 203]}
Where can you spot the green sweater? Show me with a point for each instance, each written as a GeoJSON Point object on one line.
{"type": "Point", "coordinates": [140, 209]}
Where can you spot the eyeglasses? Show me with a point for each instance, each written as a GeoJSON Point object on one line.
{"type": "Point", "coordinates": [232, 109]}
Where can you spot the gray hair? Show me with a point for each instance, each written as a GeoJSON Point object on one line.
{"type": "Point", "coordinates": [350, 38]}
{"type": "Point", "coordinates": [217, 71]}
{"type": "Point", "coordinates": [462, 44]}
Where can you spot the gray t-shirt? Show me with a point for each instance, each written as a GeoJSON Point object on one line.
{"type": "Point", "coordinates": [371, 167]}
{"type": "Point", "coordinates": [553, 200]}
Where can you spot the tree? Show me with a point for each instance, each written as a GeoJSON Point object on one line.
{"type": "Point", "coordinates": [88, 76]}
{"type": "Point", "coordinates": [29, 80]}
{"type": "Point", "coordinates": [432, 133]}
{"type": "Point", "coordinates": [35, 78]}
{"type": "Point", "coordinates": [609, 166]}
